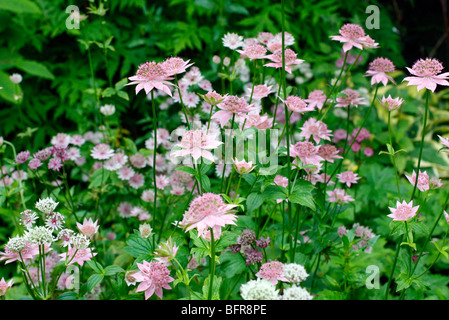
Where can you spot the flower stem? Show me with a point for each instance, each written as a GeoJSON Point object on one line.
{"type": "Point", "coordinates": [154, 151]}
{"type": "Point", "coordinates": [212, 264]}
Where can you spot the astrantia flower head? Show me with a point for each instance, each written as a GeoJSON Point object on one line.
{"type": "Point", "coordinates": [153, 276]}
{"type": "Point", "coordinates": [243, 167]}
{"type": "Point", "coordinates": [426, 74]}
{"type": "Point", "coordinates": [423, 183]}
{"type": "Point", "coordinates": [208, 211]}
{"type": "Point", "coordinates": [378, 69]}
{"type": "Point", "coordinates": [351, 97]}
{"type": "Point", "coordinates": [260, 91]}
{"type": "Point", "coordinates": [39, 235]}
{"type": "Point", "coordinates": [259, 289]}
{"type": "Point", "coordinates": [18, 248]}
{"type": "Point", "coordinates": [166, 252]}
{"type": "Point", "coordinates": [247, 237]}
{"type": "Point", "coordinates": [290, 59]}
{"type": "Point", "coordinates": [5, 286]}
{"type": "Point", "coordinates": [88, 228]}
{"type": "Point", "coordinates": [307, 152]}
{"type": "Point", "coordinates": [253, 51]}
{"type": "Point", "coordinates": [151, 75]}
{"type": "Point", "coordinates": [273, 272]}
{"type": "Point", "coordinates": [28, 218]}
{"type": "Point", "coordinates": [15, 78]}
{"type": "Point", "coordinates": [353, 35]}
{"type": "Point", "coordinates": [315, 129]}
{"type": "Point", "coordinates": [296, 293]}
{"type": "Point", "coordinates": [404, 211]}
{"type": "Point", "coordinates": [328, 152]}
{"type": "Point", "coordinates": [47, 205]}
{"type": "Point", "coordinates": [22, 156]}
{"type": "Point", "coordinates": [232, 40]}
{"type": "Point", "coordinates": [175, 65]}
{"type": "Point", "coordinates": [197, 144]}
{"type": "Point", "coordinates": [339, 196]}
{"type": "Point", "coordinates": [348, 177]}
{"type": "Point", "coordinates": [54, 221]}
{"type": "Point", "coordinates": [102, 151]}
{"type": "Point", "coordinates": [391, 104]}
{"type": "Point", "coordinates": [295, 273]}
{"type": "Point", "coordinates": [232, 105]}
{"type": "Point", "coordinates": [74, 255]}
{"type": "Point", "coordinates": [316, 98]}
{"type": "Point", "coordinates": [107, 109]}
{"type": "Point", "coordinates": [145, 230]}
{"type": "Point", "coordinates": [297, 105]}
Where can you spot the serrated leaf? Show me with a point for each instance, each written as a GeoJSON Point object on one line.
{"type": "Point", "coordinates": [93, 280]}
{"type": "Point", "coordinates": [111, 270]}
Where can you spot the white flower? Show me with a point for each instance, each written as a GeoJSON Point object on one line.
{"type": "Point", "coordinates": [107, 109]}
{"type": "Point", "coordinates": [46, 205]}
{"type": "Point", "coordinates": [296, 293]}
{"type": "Point", "coordinates": [295, 273]}
{"type": "Point", "coordinates": [232, 40]}
{"type": "Point", "coordinates": [259, 289]}
{"type": "Point", "coordinates": [15, 78]}
{"type": "Point", "coordinates": [39, 235]}
{"type": "Point", "coordinates": [16, 244]}
{"type": "Point", "coordinates": [145, 230]}
{"type": "Point", "coordinates": [80, 241]}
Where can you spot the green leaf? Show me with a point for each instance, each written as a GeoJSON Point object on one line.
{"type": "Point", "coordinates": [111, 270]}
{"type": "Point", "coordinates": [34, 68]}
{"type": "Point", "coordinates": [69, 295]}
{"type": "Point", "coordinates": [253, 202]}
{"type": "Point", "coordinates": [20, 6]}
{"type": "Point", "coordinates": [215, 288]}
{"type": "Point", "coordinates": [96, 266]}
{"type": "Point", "coordinates": [93, 281]}
{"type": "Point", "coordinates": [98, 177]}
{"type": "Point", "coordinates": [232, 264]}
{"type": "Point", "coordinates": [187, 169]}
{"type": "Point", "coordinates": [129, 144]}
{"type": "Point", "coordinates": [274, 192]}
{"type": "Point", "coordinates": [138, 246]}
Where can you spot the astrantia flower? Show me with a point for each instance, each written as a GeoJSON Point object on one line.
{"type": "Point", "coordinates": [22, 156]}
{"type": "Point", "coordinates": [107, 109]}
{"type": "Point", "coordinates": [47, 205]}
{"type": "Point", "coordinates": [260, 91]}
{"type": "Point", "coordinates": [307, 152]}
{"type": "Point", "coordinates": [253, 51]}
{"type": "Point", "coordinates": [348, 177]}
{"type": "Point", "coordinates": [423, 180]}
{"type": "Point", "coordinates": [316, 129]}
{"type": "Point", "coordinates": [351, 97]}
{"type": "Point", "coordinates": [295, 273]}
{"type": "Point", "coordinates": [125, 173]}
{"type": "Point", "coordinates": [34, 164]}
{"type": "Point", "coordinates": [15, 78]}
{"type": "Point", "coordinates": [243, 167]}
{"type": "Point", "coordinates": [232, 41]}
{"type": "Point", "coordinates": [54, 221]}
{"type": "Point", "coordinates": [153, 276]}
{"type": "Point", "coordinates": [197, 144]}
{"type": "Point", "coordinates": [102, 151]}
{"type": "Point", "coordinates": [290, 59]}
{"type": "Point", "coordinates": [74, 255]}
{"type": "Point", "coordinates": [166, 252]}
{"type": "Point", "coordinates": [61, 140]}
{"type": "Point", "coordinates": [273, 272]}
{"type": "Point", "coordinates": [404, 211]}
{"type": "Point", "coordinates": [316, 99]}
{"type": "Point", "coordinates": [426, 74]}
{"type": "Point", "coordinates": [296, 293]}
{"type": "Point", "coordinates": [328, 152]}
{"type": "Point", "coordinates": [5, 286]}
{"type": "Point", "coordinates": [28, 218]}
{"type": "Point", "coordinates": [339, 196]}
{"type": "Point", "coordinates": [259, 289]}
{"type": "Point", "coordinates": [151, 75]}
{"type": "Point", "coordinates": [145, 230]}
{"type": "Point", "coordinates": [391, 104]}
{"type": "Point", "coordinates": [232, 105]}
{"type": "Point", "coordinates": [445, 142]}
{"type": "Point", "coordinates": [378, 69]}
{"type": "Point", "coordinates": [55, 164]}
{"type": "Point", "coordinates": [137, 181]}
{"type": "Point", "coordinates": [18, 248]}
{"type": "Point", "coordinates": [297, 105]}
{"type": "Point", "coordinates": [39, 235]}
{"type": "Point", "coordinates": [208, 211]}
{"type": "Point", "coordinates": [353, 35]}
{"type": "Point", "coordinates": [88, 228]}
{"type": "Point", "coordinates": [175, 65]}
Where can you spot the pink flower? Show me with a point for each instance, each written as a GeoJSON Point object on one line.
{"type": "Point", "coordinates": [74, 255]}
{"type": "Point", "coordinates": [27, 252]}
{"type": "Point", "coordinates": [253, 51]}
{"type": "Point", "coordinates": [231, 105]}
{"type": "Point", "coordinates": [197, 143]}
{"type": "Point", "coordinates": [5, 286]}
{"type": "Point", "coordinates": [265, 37]}
{"type": "Point", "coordinates": [124, 209]}
{"type": "Point", "coordinates": [125, 173]}
{"type": "Point", "coordinates": [175, 65]}
{"type": "Point", "coordinates": [296, 104]}
{"type": "Point", "coordinates": [377, 71]}
{"type": "Point", "coordinates": [353, 35]}
{"type": "Point", "coordinates": [22, 156]}
{"type": "Point", "coordinates": [351, 98]}
{"type": "Point", "coordinates": [281, 181]}
{"type": "Point", "coordinates": [153, 276]}
{"type": "Point", "coordinates": [315, 128]}
{"type": "Point", "coordinates": [243, 167]}
{"type": "Point", "coordinates": [391, 104]}
{"type": "Point", "coordinates": [162, 181]}
{"type": "Point", "coordinates": [423, 180]}
{"type": "Point", "coordinates": [290, 59]}
{"type": "Point", "coordinates": [348, 177]}
{"type": "Point", "coordinates": [88, 228]}
{"type": "Point", "coordinates": [316, 99]}
{"type": "Point", "coordinates": [151, 75]}
{"type": "Point", "coordinates": [339, 196]}
{"type": "Point", "coordinates": [328, 152]}
{"type": "Point", "coordinates": [446, 216]}
{"type": "Point", "coordinates": [368, 152]}
{"type": "Point", "coordinates": [34, 164]}
{"type": "Point", "coordinates": [136, 181]}
{"type": "Point", "coordinates": [257, 121]}
{"type": "Point", "coordinates": [404, 211]}
{"type": "Point", "coordinates": [208, 211]}
{"type": "Point", "coordinates": [426, 74]}
{"type": "Point", "coordinates": [445, 142]}
{"type": "Point", "coordinates": [260, 91]}
{"type": "Point", "coordinates": [61, 140]}
{"type": "Point", "coordinates": [77, 140]}
{"type": "Point", "coordinates": [55, 164]}
{"type": "Point", "coordinates": [102, 151]}
{"type": "Point", "coordinates": [273, 272]}
{"type": "Point", "coordinates": [307, 152]}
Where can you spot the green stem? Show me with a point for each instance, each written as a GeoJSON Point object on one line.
{"type": "Point", "coordinates": [154, 151]}
{"type": "Point", "coordinates": [393, 155]}
{"type": "Point", "coordinates": [212, 264]}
